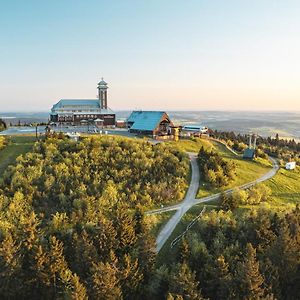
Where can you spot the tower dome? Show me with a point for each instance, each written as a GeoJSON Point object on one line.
{"type": "Point", "coordinates": [102, 82]}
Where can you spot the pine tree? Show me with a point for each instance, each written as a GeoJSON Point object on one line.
{"type": "Point", "coordinates": [125, 228]}
{"type": "Point", "coordinates": [223, 288]}
{"type": "Point", "coordinates": [250, 281]}
{"type": "Point", "coordinates": [57, 263]}
{"type": "Point", "coordinates": [72, 287]}
{"type": "Point", "coordinates": [131, 277]}
{"type": "Point", "coordinates": [183, 283]}
{"type": "Point", "coordinates": [285, 255]}
{"type": "Point", "coordinates": [106, 284]}
{"type": "Point", "coordinates": [10, 268]}
{"type": "Point", "coordinates": [184, 251]}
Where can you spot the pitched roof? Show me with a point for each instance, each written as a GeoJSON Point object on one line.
{"type": "Point", "coordinates": [145, 120]}
{"type": "Point", "coordinates": [76, 102]}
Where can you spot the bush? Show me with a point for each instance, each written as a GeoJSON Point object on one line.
{"type": "Point", "coordinates": [227, 202]}
{"type": "Point", "coordinates": [3, 142]}
{"type": "Point", "coordinates": [2, 125]}
{"type": "Point", "coordinates": [216, 171]}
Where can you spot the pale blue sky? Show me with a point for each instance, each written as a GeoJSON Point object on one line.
{"type": "Point", "coordinates": [201, 55]}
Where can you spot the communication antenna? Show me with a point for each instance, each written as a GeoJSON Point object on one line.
{"type": "Point", "coordinates": [254, 143]}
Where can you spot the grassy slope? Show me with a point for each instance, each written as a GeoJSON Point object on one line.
{"type": "Point", "coordinates": [285, 194]}
{"type": "Point", "coordinates": [285, 186]}
{"type": "Point", "coordinates": [192, 145]}
{"type": "Point", "coordinates": [18, 145]}
{"type": "Point", "coordinates": [247, 171]}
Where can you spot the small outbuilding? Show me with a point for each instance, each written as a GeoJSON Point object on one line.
{"type": "Point", "coordinates": [73, 136]}
{"type": "Point", "coordinates": [155, 123]}
{"type": "Point", "coordinates": [290, 165]}
{"type": "Point", "coordinates": [249, 153]}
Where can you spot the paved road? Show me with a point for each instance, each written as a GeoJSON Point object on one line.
{"type": "Point", "coordinates": [183, 207]}
{"type": "Point", "coordinates": [265, 177]}
{"type": "Point", "coordinates": [190, 199]}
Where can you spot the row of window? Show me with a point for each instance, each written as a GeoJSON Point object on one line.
{"type": "Point", "coordinates": [75, 110]}
{"type": "Point", "coordinates": [86, 116]}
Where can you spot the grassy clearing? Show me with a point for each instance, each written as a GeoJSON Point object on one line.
{"type": "Point", "coordinates": [192, 145]}
{"type": "Point", "coordinates": [247, 171]}
{"type": "Point", "coordinates": [17, 145]}
{"type": "Point", "coordinates": [285, 186]}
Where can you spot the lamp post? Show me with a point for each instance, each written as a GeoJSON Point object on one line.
{"type": "Point", "coordinates": [36, 130]}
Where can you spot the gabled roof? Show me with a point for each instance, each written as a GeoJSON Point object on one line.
{"type": "Point", "coordinates": [145, 120]}
{"type": "Point", "coordinates": [76, 102]}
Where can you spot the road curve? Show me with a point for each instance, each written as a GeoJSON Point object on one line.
{"type": "Point", "coordinates": [183, 207]}
{"type": "Point", "coordinates": [265, 177]}
{"type": "Point", "coordinates": [190, 199]}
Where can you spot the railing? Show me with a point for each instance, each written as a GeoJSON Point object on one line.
{"type": "Point", "coordinates": [176, 241]}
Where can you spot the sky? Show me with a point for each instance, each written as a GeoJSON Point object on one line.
{"type": "Point", "coordinates": [154, 54]}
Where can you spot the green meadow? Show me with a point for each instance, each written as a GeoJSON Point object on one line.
{"type": "Point", "coordinates": [16, 146]}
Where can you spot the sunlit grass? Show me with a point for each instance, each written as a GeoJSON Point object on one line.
{"type": "Point", "coordinates": [285, 186]}
{"type": "Point", "coordinates": [17, 145]}
{"type": "Point", "coordinates": [246, 171]}
{"type": "Point", "coordinates": [192, 145]}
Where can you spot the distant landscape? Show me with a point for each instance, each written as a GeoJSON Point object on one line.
{"type": "Point", "coordinates": [286, 124]}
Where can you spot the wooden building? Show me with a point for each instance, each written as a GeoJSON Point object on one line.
{"type": "Point", "coordinates": [154, 123]}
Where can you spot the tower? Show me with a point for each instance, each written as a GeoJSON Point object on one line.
{"type": "Point", "coordinates": [102, 93]}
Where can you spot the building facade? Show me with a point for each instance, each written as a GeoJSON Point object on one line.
{"type": "Point", "coordinates": [84, 111]}
{"type": "Point", "coordinates": [155, 123]}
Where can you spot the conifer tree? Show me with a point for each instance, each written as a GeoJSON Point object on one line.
{"type": "Point", "coordinates": [106, 280]}
{"type": "Point", "coordinates": [183, 283]}
{"type": "Point", "coordinates": [131, 277]}
{"type": "Point", "coordinates": [184, 251]}
{"type": "Point", "coordinates": [250, 281]}
{"type": "Point", "coordinates": [223, 288]}
{"type": "Point", "coordinates": [10, 268]}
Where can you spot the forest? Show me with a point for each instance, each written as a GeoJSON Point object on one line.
{"type": "Point", "coordinates": [72, 226]}
{"type": "Point", "coordinates": [254, 255]}
{"type": "Point", "coordinates": [71, 217]}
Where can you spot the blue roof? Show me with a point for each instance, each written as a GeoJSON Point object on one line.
{"type": "Point", "coordinates": [76, 102]}
{"type": "Point", "coordinates": [145, 120]}
{"type": "Point", "coordinates": [249, 153]}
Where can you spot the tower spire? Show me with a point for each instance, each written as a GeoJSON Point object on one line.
{"type": "Point", "coordinates": [102, 93]}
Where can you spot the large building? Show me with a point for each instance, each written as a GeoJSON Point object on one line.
{"type": "Point", "coordinates": [84, 111]}
{"type": "Point", "coordinates": [150, 123]}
